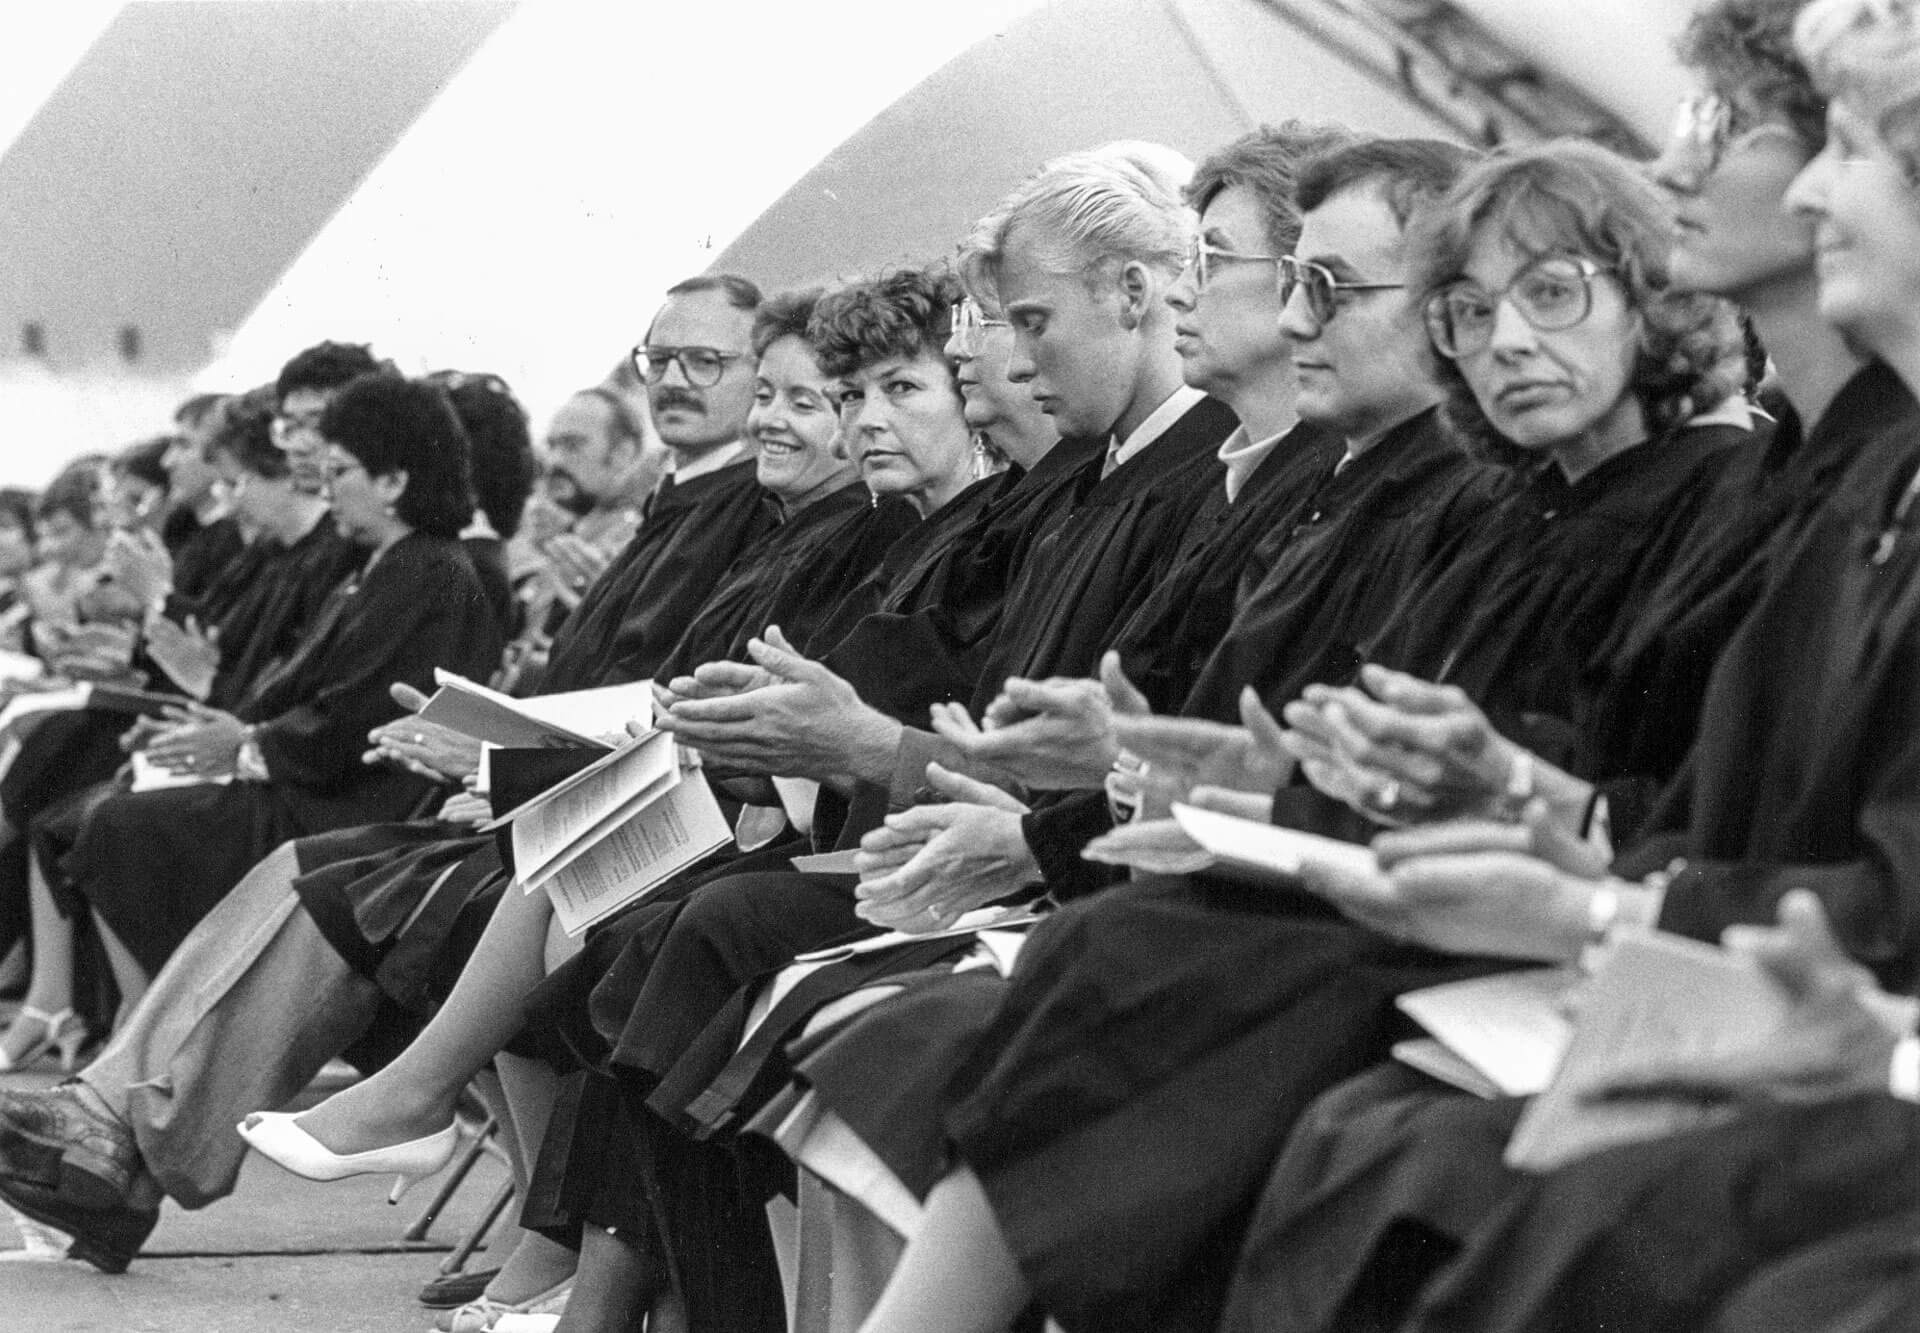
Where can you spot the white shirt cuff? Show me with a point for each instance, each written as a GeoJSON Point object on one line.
{"type": "Point", "coordinates": [1903, 1078]}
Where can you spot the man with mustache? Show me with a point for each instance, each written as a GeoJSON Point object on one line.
{"type": "Point", "coordinates": [152, 1116]}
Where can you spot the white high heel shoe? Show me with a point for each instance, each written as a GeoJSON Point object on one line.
{"type": "Point", "coordinates": [274, 1135]}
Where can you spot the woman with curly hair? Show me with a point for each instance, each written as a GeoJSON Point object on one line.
{"type": "Point", "coordinates": [1391, 1207]}
{"type": "Point", "coordinates": [1157, 1039]}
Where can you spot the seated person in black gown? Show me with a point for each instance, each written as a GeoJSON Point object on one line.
{"type": "Point", "coordinates": [1129, 1093]}
{"type": "Point", "coordinates": [286, 760]}
{"type": "Point", "coordinates": [501, 450]}
{"type": "Point", "coordinates": [1416, 1230]}
{"type": "Point", "coordinates": [151, 1117]}
{"type": "Point", "coordinates": [297, 559]}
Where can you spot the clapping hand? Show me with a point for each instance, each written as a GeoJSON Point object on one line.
{"type": "Point", "coordinates": [928, 866]}
{"type": "Point", "coordinates": [1055, 734]}
{"type": "Point", "coordinates": [425, 748]}
{"type": "Point", "coordinates": [198, 740]}
{"type": "Point", "coordinates": [189, 655]}
{"type": "Point", "coordinates": [1180, 754]}
{"type": "Point", "coordinates": [794, 718]}
{"type": "Point", "coordinates": [1482, 887]}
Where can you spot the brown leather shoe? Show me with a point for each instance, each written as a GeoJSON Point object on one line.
{"type": "Point", "coordinates": [94, 1155]}
{"type": "Point", "coordinates": [109, 1236]}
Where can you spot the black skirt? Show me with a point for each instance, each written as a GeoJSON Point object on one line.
{"type": "Point", "coordinates": [1155, 1046]}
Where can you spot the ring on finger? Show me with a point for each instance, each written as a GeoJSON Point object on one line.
{"type": "Point", "coordinates": [1387, 795]}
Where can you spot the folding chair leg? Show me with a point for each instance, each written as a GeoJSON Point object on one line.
{"type": "Point", "coordinates": [455, 1178]}
{"type": "Point", "coordinates": [477, 1234]}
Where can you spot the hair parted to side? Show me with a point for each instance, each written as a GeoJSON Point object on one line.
{"type": "Point", "coordinates": [326, 366]}
{"type": "Point", "coordinates": [1743, 49]}
{"type": "Point", "coordinates": [783, 315]}
{"type": "Point", "coordinates": [1120, 203]}
{"type": "Point", "coordinates": [1408, 174]}
{"type": "Point", "coordinates": [902, 313]}
{"type": "Point", "coordinates": [1867, 53]}
{"type": "Point", "coordinates": [390, 425]}
{"type": "Point", "coordinates": [1266, 162]}
{"type": "Point", "coordinates": [245, 435]}
{"type": "Point", "coordinates": [1573, 198]}
{"type": "Point", "coordinates": [741, 293]}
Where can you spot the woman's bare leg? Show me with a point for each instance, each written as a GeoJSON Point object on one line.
{"type": "Point", "coordinates": [50, 989]}
{"type": "Point", "coordinates": [415, 1095]}
{"type": "Point", "coordinates": [617, 1285]}
{"type": "Point", "coordinates": [536, 1264]}
{"type": "Point", "coordinates": [958, 1274]}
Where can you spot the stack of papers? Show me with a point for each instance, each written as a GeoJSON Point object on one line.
{"type": "Point", "coordinates": [1653, 997]}
{"type": "Point", "coordinates": [1496, 1036]}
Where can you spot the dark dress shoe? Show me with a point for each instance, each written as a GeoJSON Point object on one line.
{"type": "Point", "coordinates": [56, 1139]}
{"type": "Point", "coordinates": [106, 1237]}
{"type": "Point", "coordinates": [456, 1289]}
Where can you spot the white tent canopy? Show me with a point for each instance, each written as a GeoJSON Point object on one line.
{"type": "Point", "coordinates": [592, 153]}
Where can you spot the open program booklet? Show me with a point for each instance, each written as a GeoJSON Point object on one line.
{"type": "Point", "coordinates": [616, 830]}
{"type": "Point", "coordinates": [593, 719]}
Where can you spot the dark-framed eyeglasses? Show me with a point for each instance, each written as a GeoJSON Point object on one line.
{"type": "Point", "coordinates": [702, 367]}
{"type": "Point", "coordinates": [1323, 290]}
{"type": "Point", "coordinates": [970, 324]}
{"type": "Point", "coordinates": [1553, 292]}
{"type": "Point", "coordinates": [1203, 259]}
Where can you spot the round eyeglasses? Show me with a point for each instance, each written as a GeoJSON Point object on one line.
{"type": "Point", "coordinates": [702, 367]}
{"type": "Point", "coordinates": [1324, 292]}
{"type": "Point", "coordinates": [1552, 293]}
{"type": "Point", "coordinates": [1204, 259]}
{"type": "Point", "coordinates": [970, 324]}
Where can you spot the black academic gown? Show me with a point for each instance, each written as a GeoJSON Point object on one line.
{"type": "Point", "coordinates": [1336, 573]}
{"type": "Point", "coordinates": [1099, 547]}
{"type": "Point", "coordinates": [796, 576]}
{"type": "Point", "coordinates": [1323, 578]}
{"type": "Point", "coordinates": [67, 764]}
{"type": "Point", "coordinates": [1800, 776]}
{"type": "Point", "coordinates": [404, 902]}
{"type": "Point", "coordinates": [202, 553]}
{"type": "Point", "coordinates": [635, 613]}
{"type": "Point", "coordinates": [1151, 1156]}
{"type": "Point", "coordinates": [153, 863]}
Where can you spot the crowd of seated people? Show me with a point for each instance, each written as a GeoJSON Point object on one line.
{"type": "Point", "coordinates": [1529, 534]}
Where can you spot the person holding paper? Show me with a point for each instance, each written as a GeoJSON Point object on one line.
{"type": "Point", "coordinates": [1184, 981]}
{"type": "Point", "coordinates": [1784, 791]}
{"type": "Point", "coordinates": [54, 781]}
{"type": "Point", "coordinates": [323, 933]}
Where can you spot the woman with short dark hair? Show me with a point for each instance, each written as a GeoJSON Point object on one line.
{"type": "Point", "coordinates": [286, 762]}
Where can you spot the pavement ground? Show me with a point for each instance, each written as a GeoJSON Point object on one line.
{"type": "Point", "coordinates": [282, 1255]}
